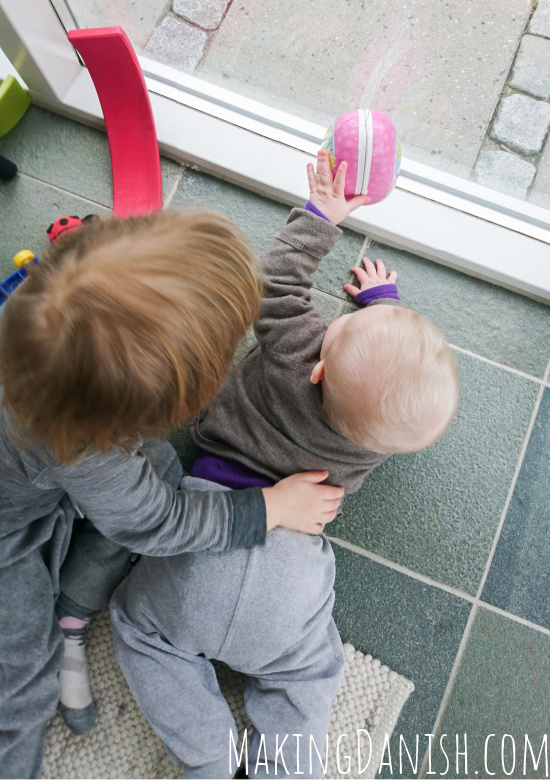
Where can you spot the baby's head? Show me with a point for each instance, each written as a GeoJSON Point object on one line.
{"type": "Point", "coordinates": [389, 379]}
{"type": "Point", "coordinates": [129, 326]}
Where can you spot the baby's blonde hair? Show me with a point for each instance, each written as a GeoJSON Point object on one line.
{"type": "Point", "coordinates": [391, 386]}
{"type": "Point", "coordinates": [128, 327]}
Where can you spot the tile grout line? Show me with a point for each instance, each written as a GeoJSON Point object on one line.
{"type": "Point", "coordinates": [64, 191]}
{"type": "Point", "coordinates": [477, 601]}
{"type": "Point", "coordinates": [514, 481]}
{"type": "Point", "coordinates": [172, 192]}
{"type": "Point", "coordinates": [515, 618]}
{"type": "Point", "coordinates": [499, 365]}
{"type": "Point", "coordinates": [401, 569]}
{"type": "Point", "coordinates": [451, 681]}
{"type": "Point", "coordinates": [474, 600]}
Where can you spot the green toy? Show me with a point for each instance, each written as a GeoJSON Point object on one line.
{"type": "Point", "coordinates": [14, 101]}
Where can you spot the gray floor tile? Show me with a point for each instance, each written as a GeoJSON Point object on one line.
{"type": "Point", "coordinates": [69, 155]}
{"type": "Point", "coordinates": [28, 207]}
{"type": "Point", "coordinates": [502, 687]}
{"type": "Point", "coordinates": [519, 577]}
{"type": "Point", "coordinates": [413, 628]}
{"type": "Point", "coordinates": [262, 219]}
{"type": "Point", "coordinates": [475, 315]}
{"type": "Point", "coordinates": [437, 511]}
{"type": "Point", "coordinates": [329, 306]}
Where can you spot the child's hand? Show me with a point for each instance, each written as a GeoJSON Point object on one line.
{"type": "Point", "coordinates": [328, 194]}
{"type": "Point", "coordinates": [301, 504]}
{"type": "Point", "coordinates": [370, 276]}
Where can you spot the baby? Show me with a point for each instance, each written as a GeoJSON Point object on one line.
{"type": "Point", "coordinates": [378, 381]}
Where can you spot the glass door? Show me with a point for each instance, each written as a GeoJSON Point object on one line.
{"type": "Point", "coordinates": [456, 79]}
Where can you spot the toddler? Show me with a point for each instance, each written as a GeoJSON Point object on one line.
{"type": "Point", "coordinates": [381, 380]}
{"type": "Point", "coordinates": [127, 328]}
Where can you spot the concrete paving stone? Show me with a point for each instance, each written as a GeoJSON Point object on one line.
{"type": "Point", "coordinates": [413, 628]}
{"type": "Point", "coordinates": [137, 17]}
{"type": "Point", "coordinates": [70, 155]}
{"type": "Point", "coordinates": [540, 23]}
{"type": "Point", "coordinates": [436, 68]}
{"type": "Point", "coordinates": [504, 172]}
{"type": "Point", "coordinates": [262, 219]}
{"type": "Point", "coordinates": [475, 315]}
{"type": "Point", "coordinates": [436, 511]}
{"type": "Point", "coordinates": [502, 688]}
{"type": "Point", "coordinates": [540, 194]}
{"type": "Point", "coordinates": [206, 13]}
{"type": "Point", "coordinates": [531, 71]}
{"type": "Point", "coordinates": [28, 207]}
{"type": "Point", "coordinates": [522, 124]}
{"type": "Point", "coordinates": [177, 44]}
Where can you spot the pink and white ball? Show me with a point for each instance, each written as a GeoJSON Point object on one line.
{"type": "Point", "coordinates": [367, 140]}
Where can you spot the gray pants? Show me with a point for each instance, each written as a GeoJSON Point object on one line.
{"type": "Point", "coordinates": [56, 554]}
{"type": "Point", "coordinates": [265, 612]}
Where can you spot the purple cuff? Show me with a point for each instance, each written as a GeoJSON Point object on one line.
{"type": "Point", "coordinates": [228, 472]}
{"type": "Point", "coordinates": [376, 293]}
{"type": "Point", "coordinates": [314, 210]}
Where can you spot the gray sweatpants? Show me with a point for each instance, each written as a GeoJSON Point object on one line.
{"type": "Point", "coordinates": [265, 612]}
{"type": "Point", "coordinates": [57, 553]}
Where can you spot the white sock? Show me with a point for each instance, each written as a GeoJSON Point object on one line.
{"type": "Point", "coordinates": [75, 686]}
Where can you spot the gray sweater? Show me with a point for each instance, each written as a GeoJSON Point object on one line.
{"type": "Point", "coordinates": [122, 495]}
{"type": "Point", "coordinates": [268, 415]}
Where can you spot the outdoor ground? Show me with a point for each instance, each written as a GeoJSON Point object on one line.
{"type": "Point", "coordinates": [442, 557]}
{"type": "Point", "coordinates": [466, 82]}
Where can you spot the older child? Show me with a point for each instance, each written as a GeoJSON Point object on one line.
{"type": "Point", "coordinates": [128, 327]}
{"type": "Point", "coordinates": [377, 381]}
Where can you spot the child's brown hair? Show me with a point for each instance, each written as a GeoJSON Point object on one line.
{"type": "Point", "coordinates": [129, 326]}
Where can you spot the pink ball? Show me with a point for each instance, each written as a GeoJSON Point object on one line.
{"type": "Point", "coordinates": [367, 140]}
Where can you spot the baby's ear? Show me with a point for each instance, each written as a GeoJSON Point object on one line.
{"type": "Point", "coordinates": [318, 373]}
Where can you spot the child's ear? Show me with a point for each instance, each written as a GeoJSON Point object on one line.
{"type": "Point", "coordinates": [318, 373]}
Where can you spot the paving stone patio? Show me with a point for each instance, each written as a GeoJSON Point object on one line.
{"type": "Point", "coordinates": [462, 81]}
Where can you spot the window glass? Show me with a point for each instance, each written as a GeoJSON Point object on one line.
{"type": "Point", "coordinates": [466, 82]}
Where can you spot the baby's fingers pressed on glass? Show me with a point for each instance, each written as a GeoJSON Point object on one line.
{"type": "Point", "coordinates": [301, 503]}
{"type": "Point", "coordinates": [326, 193]}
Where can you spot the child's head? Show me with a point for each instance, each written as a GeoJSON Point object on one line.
{"type": "Point", "coordinates": [390, 380]}
{"type": "Point", "coordinates": [129, 326]}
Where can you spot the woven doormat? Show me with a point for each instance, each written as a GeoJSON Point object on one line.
{"type": "Point", "coordinates": [123, 745]}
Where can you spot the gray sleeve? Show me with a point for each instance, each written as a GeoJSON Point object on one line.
{"type": "Point", "coordinates": [129, 504]}
{"type": "Point", "coordinates": [288, 322]}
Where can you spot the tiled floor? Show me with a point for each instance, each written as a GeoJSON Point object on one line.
{"type": "Point", "coordinates": [443, 556]}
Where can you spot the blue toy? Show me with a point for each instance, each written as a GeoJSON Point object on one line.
{"type": "Point", "coordinates": [21, 260]}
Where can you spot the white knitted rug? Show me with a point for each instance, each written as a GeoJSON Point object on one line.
{"type": "Point", "coordinates": [123, 745]}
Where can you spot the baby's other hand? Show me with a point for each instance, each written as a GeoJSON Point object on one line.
{"type": "Point", "coordinates": [370, 276]}
{"type": "Point", "coordinates": [300, 503]}
{"type": "Point", "coordinates": [327, 194]}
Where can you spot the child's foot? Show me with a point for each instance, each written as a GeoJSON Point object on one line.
{"type": "Point", "coordinates": [76, 705]}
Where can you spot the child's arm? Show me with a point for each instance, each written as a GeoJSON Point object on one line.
{"type": "Point", "coordinates": [288, 323]}
{"type": "Point", "coordinates": [129, 504]}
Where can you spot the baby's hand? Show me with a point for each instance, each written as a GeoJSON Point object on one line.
{"type": "Point", "coordinates": [301, 504]}
{"type": "Point", "coordinates": [327, 193]}
{"type": "Point", "coordinates": [370, 276]}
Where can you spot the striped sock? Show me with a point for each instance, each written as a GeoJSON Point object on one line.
{"type": "Point", "coordinates": [77, 706]}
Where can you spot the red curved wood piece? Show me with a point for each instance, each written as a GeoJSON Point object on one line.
{"type": "Point", "coordinates": [120, 86]}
